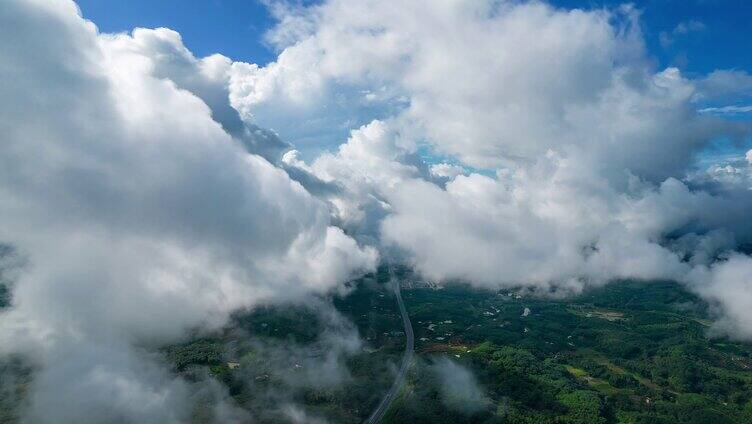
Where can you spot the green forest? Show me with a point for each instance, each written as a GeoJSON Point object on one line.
{"type": "Point", "coordinates": [627, 352]}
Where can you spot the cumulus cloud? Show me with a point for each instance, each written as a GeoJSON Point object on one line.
{"type": "Point", "coordinates": [373, 161]}
{"type": "Point", "coordinates": [538, 228]}
{"type": "Point", "coordinates": [474, 95]}
{"type": "Point", "coordinates": [446, 170]}
{"type": "Point", "coordinates": [161, 52]}
{"type": "Point", "coordinates": [126, 185]}
{"type": "Point", "coordinates": [585, 154]}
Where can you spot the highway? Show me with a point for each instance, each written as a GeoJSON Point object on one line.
{"type": "Point", "coordinates": [407, 358]}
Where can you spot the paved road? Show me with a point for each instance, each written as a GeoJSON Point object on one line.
{"type": "Point", "coordinates": [407, 358]}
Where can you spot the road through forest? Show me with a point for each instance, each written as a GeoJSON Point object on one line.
{"type": "Point", "coordinates": [407, 358]}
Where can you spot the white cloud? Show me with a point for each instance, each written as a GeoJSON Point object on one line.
{"type": "Point", "coordinates": [691, 25]}
{"type": "Point", "coordinates": [588, 146]}
{"type": "Point", "coordinates": [541, 227]}
{"type": "Point", "coordinates": [728, 286]}
{"type": "Point", "coordinates": [140, 216]}
{"type": "Point", "coordinates": [727, 110]}
{"type": "Point", "coordinates": [582, 82]}
{"type": "Point", "coordinates": [667, 38]}
{"type": "Point", "coordinates": [725, 85]}
{"type": "Point", "coordinates": [372, 162]}
{"type": "Point", "coordinates": [446, 170]}
{"type": "Point", "coordinates": [725, 173]}
{"type": "Point", "coordinates": [161, 53]}
{"type": "Point", "coordinates": [459, 388]}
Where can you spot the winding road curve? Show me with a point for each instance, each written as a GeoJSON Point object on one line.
{"type": "Point", "coordinates": [407, 358]}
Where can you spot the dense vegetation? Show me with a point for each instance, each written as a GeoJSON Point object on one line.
{"type": "Point", "coordinates": [629, 352]}
{"type": "Point", "coordinates": [15, 374]}
{"type": "Point", "coordinates": [274, 360]}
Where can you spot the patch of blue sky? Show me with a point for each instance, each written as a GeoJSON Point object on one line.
{"type": "Point", "coordinates": [430, 156]}
{"type": "Point", "coordinates": [697, 36]}
{"type": "Point", "coordinates": [234, 28]}
{"type": "Point", "coordinates": [723, 151]}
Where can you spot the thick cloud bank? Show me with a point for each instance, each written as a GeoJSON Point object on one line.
{"type": "Point", "coordinates": [141, 216]}
{"type": "Point", "coordinates": [565, 158]}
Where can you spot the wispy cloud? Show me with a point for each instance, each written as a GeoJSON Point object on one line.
{"type": "Point", "coordinates": [667, 38]}
{"type": "Point", "coordinates": [727, 110]}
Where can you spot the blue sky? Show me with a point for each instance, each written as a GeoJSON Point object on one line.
{"type": "Point", "coordinates": [717, 34]}
{"type": "Point", "coordinates": [234, 28]}
{"type": "Point", "coordinates": [718, 42]}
